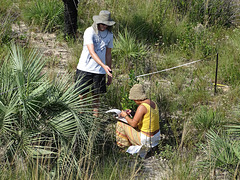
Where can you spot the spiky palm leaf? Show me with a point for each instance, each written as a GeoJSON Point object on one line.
{"type": "Point", "coordinates": [41, 119]}
{"type": "Point", "coordinates": [30, 145]}
{"type": "Point", "coordinates": [66, 108]}
{"type": "Point", "coordinates": [30, 84]}
{"type": "Point", "coordinates": [7, 86]}
{"type": "Point", "coordinates": [235, 128]}
{"type": "Point", "coordinates": [8, 101]}
{"type": "Point", "coordinates": [129, 51]}
{"type": "Point", "coordinates": [222, 151]}
{"type": "Point", "coordinates": [7, 117]}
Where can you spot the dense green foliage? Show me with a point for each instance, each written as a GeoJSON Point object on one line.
{"type": "Point", "coordinates": [40, 119]}
{"type": "Point", "coordinates": [43, 133]}
{"type": "Point", "coordinates": [46, 14]}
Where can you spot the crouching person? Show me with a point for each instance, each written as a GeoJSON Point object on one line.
{"type": "Point", "coordinates": [142, 131]}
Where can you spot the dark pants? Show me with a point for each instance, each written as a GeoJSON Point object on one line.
{"type": "Point", "coordinates": [86, 81]}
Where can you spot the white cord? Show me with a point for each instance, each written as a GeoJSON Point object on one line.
{"type": "Point", "coordinates": [168, 69]}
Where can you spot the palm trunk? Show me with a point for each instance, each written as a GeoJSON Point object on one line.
{"type": "Point", "coordinates": [70, 17]}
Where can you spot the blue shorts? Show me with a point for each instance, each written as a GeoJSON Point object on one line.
{"type": "Point", "coordinates": [86, 81]}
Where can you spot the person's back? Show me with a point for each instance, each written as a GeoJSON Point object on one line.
{"type": "Point", "coordinates": [142, 129]}
{"type": "Point", "coordinates": [150, 121]}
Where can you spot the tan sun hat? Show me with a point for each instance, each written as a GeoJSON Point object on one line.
{"type": "Point", "coordinates": [137, 93]}
{"type": "Point", "coordinates": [104, 17]}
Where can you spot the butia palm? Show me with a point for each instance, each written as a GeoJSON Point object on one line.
{"type": "Point", "coordinates": [39, 118]}
{"type": "Point", "coordinates": [222, 151]}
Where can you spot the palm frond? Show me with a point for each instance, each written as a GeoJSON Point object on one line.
{"type": "Point", "coordinates": [31, 145]}
{"type": "Point", "coordinates": [7, 82]}
{"type": "Point", "coordinates": [69, 95]}
{"type": "Point", "coordinates": [221, 150]}
{"type": "Point", "coordinates": [34, 66]}
{"type": "Point", "coordinates": [64, 124]}
{"type": "Point", "coordinates": [8, 117]}
{"type": "Point", "coordinates": [235, 128]}
{"type": "Point", "coordinates": [31, 103]}
{"type": "Point", "coordinates": [31, 85]}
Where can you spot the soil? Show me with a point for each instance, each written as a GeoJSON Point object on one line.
{"type": "Point", "coordinates": [57, 52]}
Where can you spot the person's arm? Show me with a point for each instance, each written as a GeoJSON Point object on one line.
{"type": "Point", "coordinates": [94, 55]}
{"type": "Point", "coordinates": [109, 63]}
{"type": "Point", "coordinates": [141, 111]}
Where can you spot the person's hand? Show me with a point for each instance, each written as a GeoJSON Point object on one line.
{"type": "Point", "coordinates": [123, 114]}
{"type": "Point", "coordinates": [128, 111]}
{"type": "Point", "coordinates": [108, 70]}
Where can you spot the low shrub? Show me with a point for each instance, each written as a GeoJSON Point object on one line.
{"type": "Point", "coordinates": [46, 14]}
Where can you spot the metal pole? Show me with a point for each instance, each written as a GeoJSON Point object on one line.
{"type": "Point", "coordinates": [215, 88]}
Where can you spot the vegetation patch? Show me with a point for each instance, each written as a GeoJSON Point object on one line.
{"type": "Point", "coordinates": [46, 132]}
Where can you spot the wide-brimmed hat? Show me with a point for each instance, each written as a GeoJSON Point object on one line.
{"type": "Point", "coordinates": [104, 17]}
{"type": "Point", "coordinates": [137, 93]}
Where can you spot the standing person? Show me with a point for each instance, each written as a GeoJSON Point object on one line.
{"type": "Point", "coordinates": [143, 129]}
{"type": "Point", "coordinates": [96, 59]}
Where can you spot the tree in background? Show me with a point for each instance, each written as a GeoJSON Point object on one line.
{"type": "Point", "coordinates": [70, 17]}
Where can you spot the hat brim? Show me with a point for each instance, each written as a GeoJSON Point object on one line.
{"type": "Point", "coordinates": [98, 21]}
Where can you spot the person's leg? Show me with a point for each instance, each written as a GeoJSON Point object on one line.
{"type": "Point", "coordinates": [96, 105]}
{"type": "Point", "coordinates": [127, 135]}
{"type": "Point", "coordinates": [99, 87]}
{"type": "Point", "coordinates": [83, 82]}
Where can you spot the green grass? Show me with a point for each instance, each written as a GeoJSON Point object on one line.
{"type": "Point", "coordinates": [149, 36]}
{"type": "Point", "coordinates": [222, 152]}
{"type": "Point", "coordinates": [128, 52]}
{"type": "Point", "coordinates": [46, 14]}
{"type": "Point", "coordinates": [5, 5]}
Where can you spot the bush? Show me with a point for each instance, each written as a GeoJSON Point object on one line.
{"type": "Point", "coordinates": [42, 117]}
{"type": "Point", "coordinates": [229, 62]}
{"type": "Point", "coordinates": [46, 14]}
{"type": "Point", "coordinates": [211, 12]}
{"type": "Point", "coordinates": [222, 152]}
{"type": "Point", "coordinates": [206, 119]}
{"type": "Point", "coordinates": [128, 52]}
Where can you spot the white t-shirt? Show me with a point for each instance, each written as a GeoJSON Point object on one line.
{"type": "Point", "coordinates": [101, 41]}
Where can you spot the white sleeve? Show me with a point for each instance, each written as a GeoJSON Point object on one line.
{"type": "Point", "coordinates": [88, 36]}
